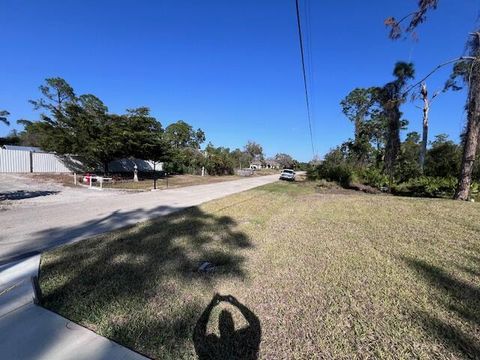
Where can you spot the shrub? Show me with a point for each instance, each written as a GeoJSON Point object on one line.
{"type": "Point", "coordinates": [475, 191]}
{"type": "Point", "coordinates": [373, 177]}
{"type": "Point", "coordinates": [427, 187]}
{"type": "Point", "coordinates": [341, 173]}
{"type": "Point", "coordinates": [312, 173]}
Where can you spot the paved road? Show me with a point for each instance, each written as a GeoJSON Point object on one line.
{"type": "Point", "coordinates": [29, 230]}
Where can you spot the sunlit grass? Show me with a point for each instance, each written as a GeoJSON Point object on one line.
{"type": "Point", "coordinates": [328, 275]}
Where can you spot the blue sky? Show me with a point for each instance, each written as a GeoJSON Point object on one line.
{"type": "Point", "coordinates": [230, 67]}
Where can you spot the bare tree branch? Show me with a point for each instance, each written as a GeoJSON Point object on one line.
{"type": "Point", "coordinates": [438, 67]}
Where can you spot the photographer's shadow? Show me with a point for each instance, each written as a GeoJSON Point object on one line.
{"type": "Point", "coordinates": [231, 344]}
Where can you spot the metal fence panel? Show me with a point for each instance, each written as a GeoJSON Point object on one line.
{"type": "Point", "coordinates": [48, 163]}
{"type": "Point", "coordinates": [20, 161]}
{"type": "Point", "coordinates": [14, 161]}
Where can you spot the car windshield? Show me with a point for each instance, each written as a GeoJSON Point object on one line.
{"type": "Point", "coordinates": [288, 171]}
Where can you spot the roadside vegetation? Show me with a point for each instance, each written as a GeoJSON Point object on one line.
{"type": "Point", "coordinates": [326, 271]}
{"type": "Point", "coordinates": [376, 156]}
{"type": "Point", "coordinates": [82, 125]}
{"type": "Point", "coordinates": [174, 181]}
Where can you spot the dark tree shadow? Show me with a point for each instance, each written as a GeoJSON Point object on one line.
{"type": "Point", "coordinates": [231, 344]}
{"type": "Point", "coordinates": [459, 298]}
{"type": "Point", "coordinates": [22, 194]}
{"type": "Point", "coordinates": [141, 286]}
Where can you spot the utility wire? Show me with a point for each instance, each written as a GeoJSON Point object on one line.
{"type": "Point", "coordinates": [310, 69]}
{"type": "Point", "coordinates": [309, 116]}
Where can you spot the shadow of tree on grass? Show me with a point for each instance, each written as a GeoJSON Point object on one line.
{"type": "Point", "coordinates": [141, 286]}
{"type": "Point", "coordinates": [461, 300]}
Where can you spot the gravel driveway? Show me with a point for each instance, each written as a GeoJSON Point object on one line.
{"type": "Point", "coordinates": [22, 190]}
{"type": "Point", "coordinates": [41, 222]}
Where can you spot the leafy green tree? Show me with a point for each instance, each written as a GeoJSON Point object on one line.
{"type": "Point", "coordinates": [82, 126]}
{"type": "Point", "coordinates": [468, 69]}
{"type": "Point", "coordinates": [285, 160]}
{"type": "Point", "coordinates": [184, 143]}
{"type": "Point", "coordinates": [254, 150]}
{"type": "Point", "coordinates": [414, 19]}
{"type": "Point", "coordinates": [408, 166]}
{"type": "Point", "coordinates": [33, 134]}
{"type": "Point", "coordinates": [140, 132]}
{"type": "Point", "coordinates": [334, 167]}
{"type": "Point", "coordinates": [377, 128]}
{"type": "Point", "coordinates": [4, 117]}
{"type": "Point", "coordinates": [54, 129]}
{"type": "Point", "coordinates": [360, 106]}
{"type": "Point", "coordinates": [13, 138]}
{"type": "Point", "coordinates": [356, 107]}
{"type": "Point", "coordinates": [218, 160]}
{"type": "Point", "coordinates": [144, 136]}
{"type": "Point", "coordinates": [443, 158]}
{"type": "Point", "coordinates": [240, 158]}
{"type": "Point", "coordinates": [56, 95]}
{"type": "Point", "coordinates": [182, 135]}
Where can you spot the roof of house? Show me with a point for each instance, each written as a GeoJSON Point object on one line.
{"type": "Point", "coordinates": [22, 148]}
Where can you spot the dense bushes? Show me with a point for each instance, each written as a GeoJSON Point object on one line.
{"type": "Point", "coordinates": [373, 177]}
{"type": "Point", "coordinates": [439, 177]}
{"type": "Point", "coordinates": [426, 186]}
{"type": "Point", "coordinates": [333, 168]}
{"type": "Point", "coordinates": [341, 173]}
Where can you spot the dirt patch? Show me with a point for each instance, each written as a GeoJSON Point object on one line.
{"type": "Point", "coordinates": [26, 190]}
{"type": "Point", "coordinates": [365, 188]}
{"type": "Point", "coordinates": [61, 179]}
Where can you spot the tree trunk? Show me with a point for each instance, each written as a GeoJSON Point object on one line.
{"type": "Point", "coordinates": [472, 135]}
{"type": "Point", "coordinates": [426, 110]}
{"type": "Point", "coordinates": [469, 152]}
{"type": "Point", "coordinates": [392, 147]}
{"type": "Point", "coordinates": [473, 125]}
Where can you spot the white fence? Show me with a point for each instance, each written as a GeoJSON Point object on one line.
{"type": "Point", "coordinates": [20, 161]}
{"type": "Point", "coordinates": [15, 161]}
{"type": "Point", "coordinates": [45, 162]}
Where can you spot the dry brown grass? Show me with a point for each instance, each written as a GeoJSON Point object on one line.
{"type": "Point", "coordinates": [336, 276]}
{"type": "Point", "coordinates": [61, 178]}
{"type": "Point", "coordinates": [174, 181]}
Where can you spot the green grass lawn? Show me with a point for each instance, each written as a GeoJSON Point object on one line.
{"type": "Point", "coordinates": [316, 275]}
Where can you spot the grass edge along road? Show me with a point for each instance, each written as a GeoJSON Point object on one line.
{"type": "Point", "coordinates": [335, 275]}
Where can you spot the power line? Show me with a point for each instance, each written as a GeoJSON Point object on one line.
{"type": "Point", "coordinates": [300, 36]}
{"type": "Point", "coordinates": [310, 68]}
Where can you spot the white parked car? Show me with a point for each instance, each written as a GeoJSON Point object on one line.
{"type": "Point", "coordinates": [287, 174]}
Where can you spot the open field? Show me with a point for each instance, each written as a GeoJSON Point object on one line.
{"type": "Point", "coordinates": [319, 274]}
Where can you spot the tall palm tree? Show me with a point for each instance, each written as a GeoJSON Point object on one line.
{"type": "Point", "coordinates": [392, 97]}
